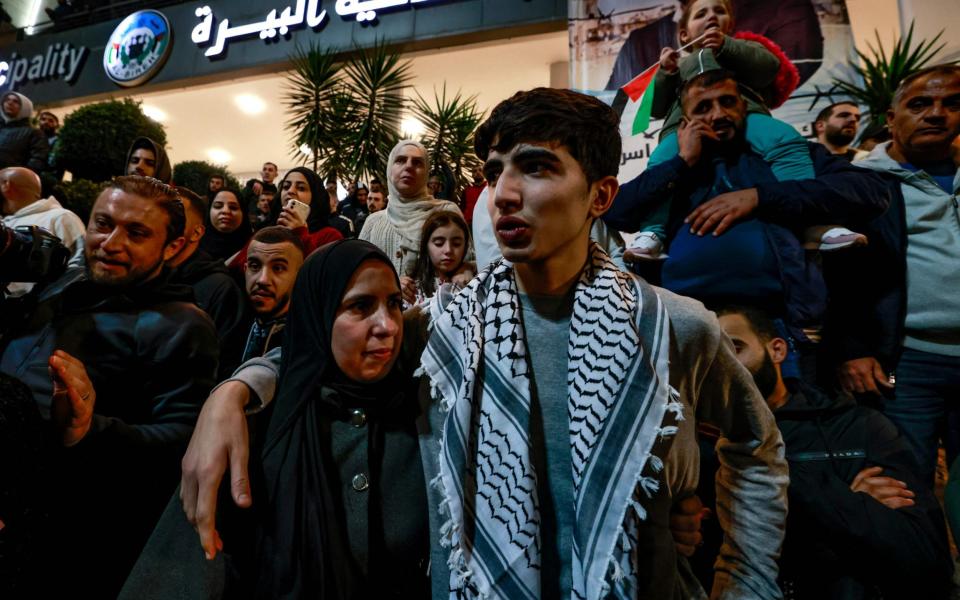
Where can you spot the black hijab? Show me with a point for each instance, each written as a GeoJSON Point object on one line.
{"type": "Point", "coordinates": [303, 551]}
{"type": "Point", "coordinates": [319, 202]}
{"type": "Point", "coordinates": [224, 245]}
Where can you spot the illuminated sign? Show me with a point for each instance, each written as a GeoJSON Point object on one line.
{"type": "Point", "coordinates": [366, 10]}
{"type": "Point", "coordinates": [307, 13]}
{"type": "Point", "coordinates": [137, 48]}
{"type": "Point", "coordinates": [59, 61]}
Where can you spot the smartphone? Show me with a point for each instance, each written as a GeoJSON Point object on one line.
{"type": "Point", "coordinates": [299, 207]}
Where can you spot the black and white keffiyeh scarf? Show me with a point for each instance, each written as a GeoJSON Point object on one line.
{"type": "Point", "coordinates": [622, 413]}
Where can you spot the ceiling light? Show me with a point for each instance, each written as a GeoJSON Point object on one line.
{"type": "Point", "coordinates": [34, 16]}
{"type": "Point", "coordinates": [305, 150]}
{"type": "Point", "coordinates": [250, 104]}
{"type": "Point", "coordinates": [412, 128]}
{"type": "Point", "coordinates": [158, 115]}
{"type": "Point", "coordinates": [219, 155]}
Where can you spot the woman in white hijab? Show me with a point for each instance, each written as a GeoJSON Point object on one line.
{"type": "Point", "coordinates": [396, 230]}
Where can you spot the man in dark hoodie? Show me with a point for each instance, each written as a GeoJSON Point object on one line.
{"type": "Point", "coordinates": [119, 361]}
{"type": "Point", "coordinates": [861, 523]}
{"type": "Point", "coordinates": [148, 159]}
{"type": "Point", "coordinates": [215, 291]}
{"type": "Point", "coordinates": [20, 144]}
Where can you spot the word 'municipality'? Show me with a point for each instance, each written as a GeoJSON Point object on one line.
{"type": "Point", "coordinates": [59, 61]}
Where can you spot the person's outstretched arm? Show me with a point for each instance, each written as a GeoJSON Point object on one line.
{"type": "Point", "coordinates": [221, 440]}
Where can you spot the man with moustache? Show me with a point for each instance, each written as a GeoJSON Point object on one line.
{"type": "Point", "coordinates": [215, 183]}
{"type": "Point", "coordinates": [897, 314]}
{"type": "Point", "coordinates": [119, 361]}
{"type": "Point", "coordinates": [861, 524]}
{"type": "Point", "coordinates": [730, 236]}
{"type": "Point", "coordinates": [274, 258]}
{"type": "Point", "coordinates": [836, 126]}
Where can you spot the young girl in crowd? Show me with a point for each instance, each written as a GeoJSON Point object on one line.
{"type": "Point", "coordinates": [228, 228]}
{"type": "Point", "coordinates": [444, 245]}
{"type": "Point", "coordinates": [766, 77]}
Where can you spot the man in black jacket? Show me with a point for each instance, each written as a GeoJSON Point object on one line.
{"type": "Point", "coordinates": [214, 288]}
{"type": "Point", "coordinates": [119, 361]}
{"type": "Point", "coordinates": [861, 522]}
{"type": "Point", "coordinates": [20, 144]}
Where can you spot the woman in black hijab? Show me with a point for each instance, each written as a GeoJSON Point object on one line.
{"type": "Point", "coordinates": [315, 196]}
{"type": "Point", "coordinates": [303, 185]}
{"type": "Point", "coordinates": [227, 226]}
{"type": "Point", "coordinates": [346, 509]}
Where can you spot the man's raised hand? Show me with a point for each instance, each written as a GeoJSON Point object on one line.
{"type": "Point", "coordinates": [73, 397]}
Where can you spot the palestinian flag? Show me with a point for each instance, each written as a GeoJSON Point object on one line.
{"type": "Point", "coordinates": [642, 86]}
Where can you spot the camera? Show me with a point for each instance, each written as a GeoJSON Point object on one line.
{"type": "Point", "coordinates": [30, 254]}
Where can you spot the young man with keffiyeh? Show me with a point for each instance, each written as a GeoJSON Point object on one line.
{"type": "Point", "coordinates": [560, 398]}
{"type": "Point", "coordinates": [568, 392]}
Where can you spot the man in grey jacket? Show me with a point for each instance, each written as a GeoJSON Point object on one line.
{"type": "Point", "coordinates": [606, 441]}
{"type": "Point", "coordinates": [895, 305]}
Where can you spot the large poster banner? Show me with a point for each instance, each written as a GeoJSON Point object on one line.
{"type": "Point", "coordinates": [613, 41]}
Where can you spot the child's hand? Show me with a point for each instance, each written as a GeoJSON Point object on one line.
{"type": "Point", "coordinates": [669, 60]}
{"type": "Point", "coordinates": [713, 38]}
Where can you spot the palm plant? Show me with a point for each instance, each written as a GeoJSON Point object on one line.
{"type": "Point", "coordinates": [374, 79]}
{"type": "Point", "coordinates": [312, 91]}
{"type": "Point", "coordinates": [449, 125]}
{"type": "Point", "coordinates": [882, 73]}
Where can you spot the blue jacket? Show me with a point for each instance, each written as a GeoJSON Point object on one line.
{"type": "Point", "coordinates": [841, 194]}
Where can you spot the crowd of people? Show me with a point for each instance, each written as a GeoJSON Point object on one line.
{"type": "Point", "coordinates": [272, 392]}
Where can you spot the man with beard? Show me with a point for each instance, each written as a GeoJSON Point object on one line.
{"type": "Point", "coordinates": [50, 127]}
{"type": "Point", "coordinates": [148, 159]}
{"type": "Point", "coordinates": [836, 127]}
{"type": "Point", "coordinates": [861, 524]}
{"type": "Point", "coordinates": [274, 258]}
{"type": "Point", "coordinates": [215, 183]}
{"type": "Point", "coordinates": [730, 235]}
{"type": "Point", "coordinates": [119, 361]}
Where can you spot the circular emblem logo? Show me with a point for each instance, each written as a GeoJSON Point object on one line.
{"type": "Point", "coordinates": [137, 48]}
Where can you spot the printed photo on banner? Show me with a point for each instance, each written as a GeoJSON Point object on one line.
{"type": "Point", "coordinates": [616, 47]}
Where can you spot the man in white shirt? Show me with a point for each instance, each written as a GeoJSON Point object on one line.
{"type": "Point", "coordinates": [22, 205]}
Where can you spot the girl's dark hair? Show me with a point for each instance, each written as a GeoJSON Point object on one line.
{"type": "Point", "coordinates": [687, 12]}
{"type": "Point", "coordinates": [424, 273]}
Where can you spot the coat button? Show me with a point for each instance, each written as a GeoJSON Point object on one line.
{"type": "Point", "coordinates": [357, 418]}
{"type": "Point", "coordinates": [360, 482]}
